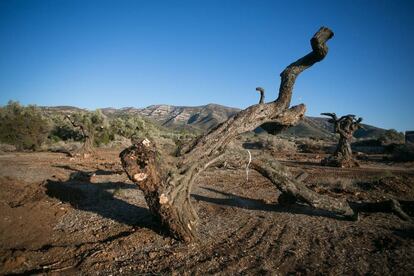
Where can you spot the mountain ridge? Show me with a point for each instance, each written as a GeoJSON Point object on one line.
{"type": "Point", "coordinates": [204, 117]}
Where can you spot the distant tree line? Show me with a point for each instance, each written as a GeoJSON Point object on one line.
{"type": "Point", "coordinates": [28, 127]}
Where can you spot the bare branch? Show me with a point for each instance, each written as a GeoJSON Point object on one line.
{"type": "Point", "coordinates": [261, 90]}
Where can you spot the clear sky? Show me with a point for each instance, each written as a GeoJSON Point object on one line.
{"type": "Point", "coordinates": [122, 53]}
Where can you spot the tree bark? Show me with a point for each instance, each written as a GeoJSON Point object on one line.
{"type": "Point", "coordinates": [291, 188]}
{"type": "Point", "coordinates": [167, 184]}
{"type": "Point", "coordinates": [345, 127]}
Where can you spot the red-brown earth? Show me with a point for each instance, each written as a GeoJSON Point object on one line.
{"type": "Point", "coordinates": [69, 215]}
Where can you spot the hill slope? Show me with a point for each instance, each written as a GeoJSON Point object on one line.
{"type": "Point", "coordinates": [203, 118]}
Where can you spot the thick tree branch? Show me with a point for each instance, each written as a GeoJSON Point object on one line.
{"type": "Point", "coordinates": [288, 185]}
{"type": "Point", "coordinates": [289, 75]}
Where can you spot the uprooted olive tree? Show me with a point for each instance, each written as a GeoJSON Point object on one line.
{"type": "Point", "coordinates": [167, 181]}
{"type": "Point", "coordinates": [345, 127]}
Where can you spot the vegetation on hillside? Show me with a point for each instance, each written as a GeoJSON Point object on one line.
{"type": "Point", "coordinates": [24, 127]}
{"type": "Point", "coordinates": [391, 136]}
{"type": "Point", "coordinates": [31, 128]}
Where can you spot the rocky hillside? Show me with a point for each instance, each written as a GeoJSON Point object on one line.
{"type": "Point", "coordinates": [199, 117]}
{"type": "Point", "coordinates": [203, 118]}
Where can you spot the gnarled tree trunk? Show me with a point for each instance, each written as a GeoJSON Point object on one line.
{"type": "Point", "coordinates": [167, 184]}
{"type": "Point", "coordinates": [345, 127]}
{"type": "Point", "coordinates": [87, 147]}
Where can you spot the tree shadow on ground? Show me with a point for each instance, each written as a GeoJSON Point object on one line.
{"type": "Point", "coordinates": [84, 195]}
{"type": "Point", "coordinates": [233, 200]}
{"type": "Point", "coordinates": [96, 172]}
{"type": "Point", "coordinates": [302, 163]}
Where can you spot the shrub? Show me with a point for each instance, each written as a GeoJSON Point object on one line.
{"type": "Point", "coordinates": [280, 145]}
{"type": "Point", "coordinates": [103, 137]}
{"type": "Point", "coordinates": [95, 123]}
{"type": "Point", "coordinates": [24, 127]}
{"type": "Point", "coordinates": [403, 153]}
{"type": "Point", "coordinates": [271, 143]}
{"type": "Point", "coordinates": [307, 145]}
{"type": "Point", "coordinates": [392, 136]}
{"type": "Point", "coordinates": [128, 126]}
{"type": "Point", "coordinates": [64, 132]}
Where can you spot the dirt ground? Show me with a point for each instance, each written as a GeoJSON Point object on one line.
{"type": "Point", "coordinates": [65, 216]}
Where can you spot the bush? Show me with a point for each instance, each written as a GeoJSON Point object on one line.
{"type": "Point", "coordinates": [307, 145]}
{"type": "Point", "coordinates": [64, 132]}
{"type": "Point", "coordinates": [27, 128]}
{"type": "Point", "coordinates": [103, 137]}
{"type": "Point", "coordinates": [403, 153]}
{"type": "Point", "coordinates": [392, 136]}
{"type": "Point", "coordinates": [95, 123]}
{"type": "Point", "coordinates": [271, 143]}
{"type": "Point", "coordinates": [23, 127]}
{"type": "Point", "coordinates": [280, 145]}
{"type": "Point", "coordinates": [132, 127]}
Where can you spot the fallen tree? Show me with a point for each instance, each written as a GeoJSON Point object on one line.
{"type": "Point", "coordinates": [167, 181]}
{"type": "Point", "coordinates": [345, 127]}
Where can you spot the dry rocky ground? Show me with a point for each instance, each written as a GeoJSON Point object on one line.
{"type": "Point", "coordinates": [66, 216]}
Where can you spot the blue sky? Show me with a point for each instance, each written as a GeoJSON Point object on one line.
{"type": "Point", "coordinates": [121, 53]}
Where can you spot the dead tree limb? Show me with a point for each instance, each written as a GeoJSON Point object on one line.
{"type": "Point", "coordinates": [345, 127]}
{"type": "Point", "coordinates": [167, 184]}
{"type": "Point", "coordinates": [385, 206]}
{"type": "Point", "coordinates": [290, 187]}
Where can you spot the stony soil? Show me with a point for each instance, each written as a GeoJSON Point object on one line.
{"type": "Point", "coordinates": [66, 216]}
